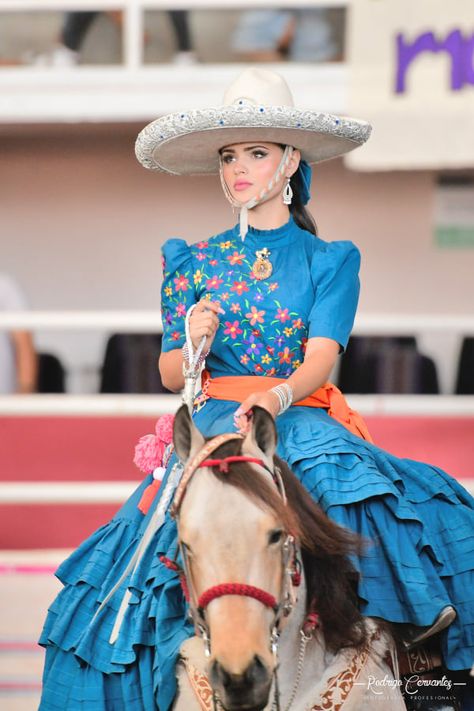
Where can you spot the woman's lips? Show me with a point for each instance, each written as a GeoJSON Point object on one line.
{"type": "Point", "coordinates": [241, 185]}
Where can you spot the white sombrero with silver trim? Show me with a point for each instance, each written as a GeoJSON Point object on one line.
{"type": "Point", "coordinates": [258, 106]}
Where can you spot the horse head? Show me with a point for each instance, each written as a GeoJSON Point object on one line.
{"type": "Point", "coordinates": [236, 533]}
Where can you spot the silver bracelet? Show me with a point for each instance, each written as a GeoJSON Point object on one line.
{"type": "Point", "coordinates": [285, 395]}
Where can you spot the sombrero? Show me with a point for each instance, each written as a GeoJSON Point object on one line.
{"type": "Point", "coordinates": [258, 106]}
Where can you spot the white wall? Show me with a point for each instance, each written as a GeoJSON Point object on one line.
{"type": "Point", "coordinates": [82, 224]}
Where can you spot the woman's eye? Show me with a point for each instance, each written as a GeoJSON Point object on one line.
{"type": "Point", "coordinates": [227, 158]}
{"type": "Point", "coordinates": [275, 537]}
{"type": "Point", "coordinates": [259, 154]}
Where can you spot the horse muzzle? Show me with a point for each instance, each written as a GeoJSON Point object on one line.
{"type": "Point", "coordinates": [248, 691]}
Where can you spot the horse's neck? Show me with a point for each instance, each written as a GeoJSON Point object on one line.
{"type": "Point", "coordinates": [321, 668]}
{"type": "Point", "coordinates": [316, 658]}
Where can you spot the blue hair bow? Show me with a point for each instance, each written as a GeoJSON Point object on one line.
{"type": "Point", "coordinates": [305, 172]}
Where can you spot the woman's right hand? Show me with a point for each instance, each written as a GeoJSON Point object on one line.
{"type": "Point", "coordinates": [204, 321]}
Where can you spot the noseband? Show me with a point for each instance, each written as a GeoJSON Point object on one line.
{"type": "Point", "coordinates": [291, 567]}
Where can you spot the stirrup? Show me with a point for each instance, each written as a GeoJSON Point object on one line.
{"type": "Point", "coordinates": [412, 636]}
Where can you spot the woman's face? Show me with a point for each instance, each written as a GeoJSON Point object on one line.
{"type": "Point", "coordinates": [248, 168]}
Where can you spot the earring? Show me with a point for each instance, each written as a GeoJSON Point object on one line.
{"type": "Point", "coordinates": [287, 193]}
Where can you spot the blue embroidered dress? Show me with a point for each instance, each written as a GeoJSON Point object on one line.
{"type": "Point", "coordinates": [420, 520]}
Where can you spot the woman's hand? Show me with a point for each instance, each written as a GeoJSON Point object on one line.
{"type": "Point", "coordinates": [204, 321]}
{"type": "Point", "coordinates": [268, 400]}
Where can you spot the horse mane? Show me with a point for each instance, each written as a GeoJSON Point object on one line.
{"type": "Point", "coordinates": [331, 579]}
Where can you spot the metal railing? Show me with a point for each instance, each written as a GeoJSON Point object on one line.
{"type": "Point", "coordinates": [134, 11]}
{"type": "Point", "coordinates": [448, 330]}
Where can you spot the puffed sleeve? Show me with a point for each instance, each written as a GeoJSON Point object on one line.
{"type": "Point", "coordinates": [335, 275]}
{"type": "Point", "coordinates": [177, 291]}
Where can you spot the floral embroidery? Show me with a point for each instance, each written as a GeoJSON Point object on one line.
{"type": "Point", "coordinates": [233, 329]}
{"type": "Point", "coordinates": [181, 283]}
{"type": "Point", "coordinates": [239, 287]}
{"type": "Point", "coordinates": [267, 336]}
{"type": "Point", "coordinates": [213, 283]}
{"type": "Point", "coordinates": [285, 355]}
{"type": "Point", "coordinates": [255, 316]}
{"type": "Point", "coordinates": [282, 315]}
{"type": "Point", "coordinates": [254, 346]}
{"type": "Point", "coordinates": [236, 258]}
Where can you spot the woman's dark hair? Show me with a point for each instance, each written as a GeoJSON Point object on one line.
{"type": "Point", "coordinates": [301, 215]}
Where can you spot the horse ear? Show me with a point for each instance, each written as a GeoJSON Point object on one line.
{"type": "Point", "coordinates": [262, 432]}
{"type": "Point", "coordinates": [187, 439]}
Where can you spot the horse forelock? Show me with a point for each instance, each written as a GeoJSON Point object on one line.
{"type": "Point", "coordinates": [257, 485]}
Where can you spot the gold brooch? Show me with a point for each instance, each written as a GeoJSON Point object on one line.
{"type": "Point", "coordinates": [262, 267]}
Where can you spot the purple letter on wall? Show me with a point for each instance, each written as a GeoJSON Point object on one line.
{"type": "Point", "coordinates": [460, 49]}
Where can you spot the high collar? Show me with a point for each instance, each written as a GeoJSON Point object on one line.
{"type": "Point", "coordinates": [266, 238]}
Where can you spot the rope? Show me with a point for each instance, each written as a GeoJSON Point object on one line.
{"type": "Point", "coordinates": [237, 589]}
{"type": "Point", "coordinates": [191, 373]}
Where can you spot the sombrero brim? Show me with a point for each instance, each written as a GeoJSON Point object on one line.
{"type": "Point", "coordinates": [188, 143]}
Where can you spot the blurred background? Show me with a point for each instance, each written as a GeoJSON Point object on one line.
{"type": "Point", "coordinates": [82, 224]}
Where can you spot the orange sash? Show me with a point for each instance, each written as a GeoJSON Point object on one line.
{"type": "Point", "coordinates": [239, 387]}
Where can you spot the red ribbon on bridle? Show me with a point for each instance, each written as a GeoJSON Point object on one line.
{"type": "Point", "coordinates": [223, 464]}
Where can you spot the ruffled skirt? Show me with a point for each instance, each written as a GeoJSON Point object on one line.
{"type": "Point", "coordinates": [419, 523]}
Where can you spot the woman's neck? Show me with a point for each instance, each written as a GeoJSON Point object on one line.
{"type": "Point", "coordinates": [269, 215]}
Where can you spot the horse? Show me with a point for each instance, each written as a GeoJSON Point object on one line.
{"type": "Point", "coordinates": [270, 586]}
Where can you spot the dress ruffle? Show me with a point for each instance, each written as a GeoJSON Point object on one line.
{"type": "Point", "coordinates": [77, 640]}
{"type": "Point", "coordinates": [417, 520]}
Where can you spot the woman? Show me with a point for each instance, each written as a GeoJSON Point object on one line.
{"type": "Point", "coordinates": [267, 298]}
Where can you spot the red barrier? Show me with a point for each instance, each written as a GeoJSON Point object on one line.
{"type": "Point", "coordinates": [102, 448]}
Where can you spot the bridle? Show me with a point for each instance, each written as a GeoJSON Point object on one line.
{"type": "Point", "coordinates": [291, 565]}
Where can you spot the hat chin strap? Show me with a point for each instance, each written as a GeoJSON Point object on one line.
{"type": "Point", "coordinates": [261, 196]}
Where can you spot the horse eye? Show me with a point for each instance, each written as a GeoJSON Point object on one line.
{"type": "Point", "coordinates": [275, 536]}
